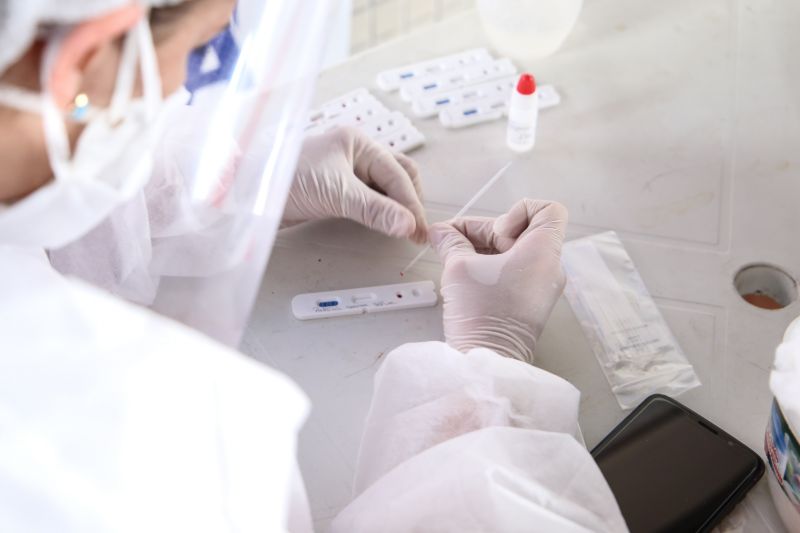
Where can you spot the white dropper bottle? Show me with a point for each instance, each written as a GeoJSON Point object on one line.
{"type": "Point", "coordinates": [523, 113]}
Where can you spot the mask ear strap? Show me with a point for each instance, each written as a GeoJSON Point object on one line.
{"type": "Point", "coordinates": [126, 76]}
{"type": "Point", "coordinates": [138, 42]}
{"type": "Point", "coordinates": [138, 47]}
{"type": "Point", "coordinates": [22, 99]}
{"type": "Point", "coordinates": [55, 129]}
{"type": "Point", "coordinates": [151, 77]}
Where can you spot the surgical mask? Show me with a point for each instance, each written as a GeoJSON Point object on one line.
{"type": "Point", "coordinates": [112, 160]}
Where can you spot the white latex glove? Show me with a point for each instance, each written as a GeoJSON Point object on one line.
{"type": "Point", "coordinates": [345, 174]}
{"type": "Point", "coordinates": [501, 276]}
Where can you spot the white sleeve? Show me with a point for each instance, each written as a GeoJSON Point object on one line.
{"type": "Point", "coordinates": [113, 418]}
{"type": "Point", "coordinates": [474, 442]}
{"type": "Point", "coordinates": [114, 256]}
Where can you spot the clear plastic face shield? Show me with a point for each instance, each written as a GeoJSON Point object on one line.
{"type": "Point", "coordinates": [225, 163]}
{"type": "Point", "coordinates": [173, 201]}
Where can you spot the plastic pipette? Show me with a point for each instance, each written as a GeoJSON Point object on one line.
{"type": "Point", "coordinates": [461, 212]}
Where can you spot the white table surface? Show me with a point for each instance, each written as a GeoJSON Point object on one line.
{"type": "Point", "coordinates": [679, 128]}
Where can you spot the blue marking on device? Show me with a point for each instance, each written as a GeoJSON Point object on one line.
{"type": "Point", "coordinates": [470, 112]}
{"type": "Point", "coordinates": [429, 86]}
{"type": "Point", "coordinates": [328, 303]}
{"type": "Point", "coordinates": [406, 75]}
{"type": "Point", "coordinates": [443, 101]}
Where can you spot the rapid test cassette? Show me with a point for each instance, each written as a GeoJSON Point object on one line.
{"type": "Point", "coordinates": [467, 112]}
{"type": "Point", "coordinates": [449, 80]}
{"type": "Point", "coordinates": [498, 90]}
{"type": "Point", "coordinates": [390, 80]}
{"type": "Point", "coordinates": [462, 89]}
{"type": "Point", "coordinates": [430, 105]}
{"type": "Point", "coordinates": [360, 109]}
{"type": "Point", "coordinates": [366, 300]}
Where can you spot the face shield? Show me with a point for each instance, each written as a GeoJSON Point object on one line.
{"type": "Point", "coordinates": [192, 238]}
{"type": "Point", "coordinates": [171, 201]}
{"type": "Point", "coordinates": [224, 166]}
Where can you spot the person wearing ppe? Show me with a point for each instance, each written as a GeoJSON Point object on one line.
{"type": "Point", "coordinates": [133, 229]}
{"type": "Point", "coordinates": [115, 418]}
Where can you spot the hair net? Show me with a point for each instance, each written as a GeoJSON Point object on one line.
{"type": "Point", "coordinates": [20, 20]}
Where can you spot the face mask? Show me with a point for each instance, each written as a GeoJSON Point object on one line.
{"type": "Point", "coordinates": [112, 160]}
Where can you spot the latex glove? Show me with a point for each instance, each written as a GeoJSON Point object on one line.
{"type": "Point", "coordinates": [345, 174]}
{"type": "Point", "coordinates": [501, 276]}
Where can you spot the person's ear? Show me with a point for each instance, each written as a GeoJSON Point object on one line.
{"type": "Point", "coordinates": [84, 41]}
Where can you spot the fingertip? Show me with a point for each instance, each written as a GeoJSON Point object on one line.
{"type": "Point", "coordinates": [560, 211]}
{"type": "Point", "coordinates": [421, 235]}
{"type": "Point", "coordinates": [512, 223]}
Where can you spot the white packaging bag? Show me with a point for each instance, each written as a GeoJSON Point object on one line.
{"type": "Point", "coordinates": [633, 344]}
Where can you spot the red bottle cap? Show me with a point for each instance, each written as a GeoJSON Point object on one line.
{"type": "Point", "coordinates": [526, 84]}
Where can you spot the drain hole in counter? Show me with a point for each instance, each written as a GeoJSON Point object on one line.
{"type": "Point", "coordinates": [765, 286]}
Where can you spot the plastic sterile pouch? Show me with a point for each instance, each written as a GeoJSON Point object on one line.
{"type": "Point", "coordinates": [633, 344]}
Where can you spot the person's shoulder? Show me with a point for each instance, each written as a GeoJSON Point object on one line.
{"type": "Point", "coordinates": [49, 318]}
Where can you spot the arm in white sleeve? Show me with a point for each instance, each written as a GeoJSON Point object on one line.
{"type": "Point", "coordinates": [113, 418]}
{"type": "Point", "coordinates": [474, 442]}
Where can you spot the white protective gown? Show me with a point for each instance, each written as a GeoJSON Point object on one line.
{"type": "Point", "coordinates": [160, 232]}
{"type": "Point", "coordinates": [113, 418]}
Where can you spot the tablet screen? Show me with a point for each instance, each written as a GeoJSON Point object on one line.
{"type": "Point", "coordinates": [672, 471]}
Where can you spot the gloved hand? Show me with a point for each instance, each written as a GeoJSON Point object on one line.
{"type": "Point", "coordinates": [501, 276]}
{"type": "Point", "coordinates": [345, 174]}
